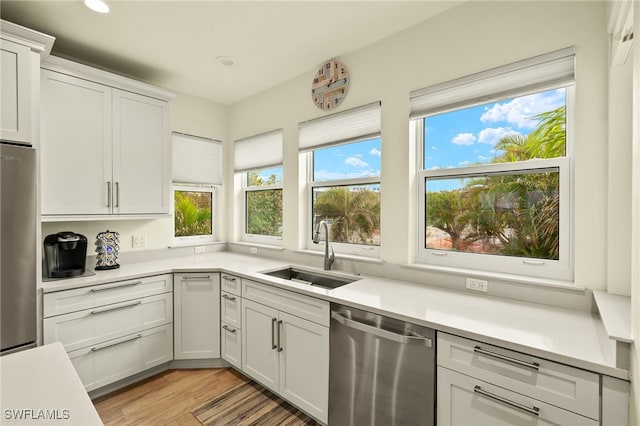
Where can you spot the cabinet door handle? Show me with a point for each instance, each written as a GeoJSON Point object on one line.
{"type": "Point", "coordinates": [103, 288]}
{"type": "Point", "coordinates": [273, 333]}
{"type": "Point", "coordinates": [229, 298]}
{"type": "Point", "coordinates": [117, 194]}
{"type": "Point", "coordinates": [99, 348]}
{"type": "Point", "coordinates": [191, 277]}
{"type": "Point", "coordinates": [229, 329]}
{"type": "Point", "coordinates": [115, 308]}
{"type": "Point", "coordinates": [108, 194]}
{"type": "Point", "coordinates": [279, 332]}
{"type": "Point", "coordinates": [228, 278]}
{"type": "Point", "coordinates": [533, 365]}
{"type": "Point", "coordinates": [534, 411]}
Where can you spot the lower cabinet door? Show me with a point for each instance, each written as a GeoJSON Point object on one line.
{"type": "Point", "coordinates": [107, 362]}
{"type": "Point", "coordinates": [259, 343]}
{"type": "Point", "coordinates": [231, 345]}
{"type": "Point", "coordinates": [304, 364]}
{"type": "Point", "coordinates": [196, 317]}
{"type": "Point", "coordinates": [464, 400]}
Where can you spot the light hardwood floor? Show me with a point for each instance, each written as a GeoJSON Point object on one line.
{"type": "Point", "coordinates": [166, 399]}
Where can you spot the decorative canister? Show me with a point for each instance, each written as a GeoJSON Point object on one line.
{"type": "Point", "coordinates": [107, 247]}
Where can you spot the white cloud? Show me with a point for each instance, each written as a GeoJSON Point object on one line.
{"type": "Point", "coordinates": [433, 147]}
{"type": "Point", "coordinates": [491, 135]}
{"type": "Point", "coordinates": [483, 158]}
{"type": "Point", "coordinates": [464, 163]}
{"type": "Point", "coordinates": [374, 151]}
{"type": "Point", "coordinates": [355, 162]}
{"type": "Point", "coordinates": [464, 139]}
{"type": "Point", "coordinates": [519, 111]}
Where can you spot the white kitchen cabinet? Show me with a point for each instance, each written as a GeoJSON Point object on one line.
{"type": "Point", "coordinates": [105, 151]}
{"type": "Point", "coordinates": [15, 116]}
{"type": "Point", "coordinates": [230, 312]}
{"type": "Point", "coordinates": [466, 401]}
{"type": "Point", "coordinates": [114, 330]}
{"type": "Point", "coordinates": [483, 384]}
{"type": "Point", "coordinates": [20, 52]}
{"type": "Point", "coordinates": [197, 316]}
{"type": "Point", "coordinates": [231, 345]}
{"type": "Point", "coordinates": [286, 353]}
{"type": "Point", "coordinates": [231, 320]}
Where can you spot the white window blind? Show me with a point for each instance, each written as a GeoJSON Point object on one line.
{"type": "Point", "coordinates": [340, 127]}
{"type": "Point", "coordinates": [258, 152]}
{"type": "Point", "coordinates": [537, 73]}
{"type": "Point", "coordinates": [196, 160]}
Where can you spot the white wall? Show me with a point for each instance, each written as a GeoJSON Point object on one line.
{"type": "Point", "coordinates": [469, 38]}
{"type": "Point", "coordinates": [190, 115]}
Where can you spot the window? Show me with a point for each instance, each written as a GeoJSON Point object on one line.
{"type": "Point", "coordinates": [196, 174]}
{"type": "Point", "coordinates": [494, 181]}
{"type": "Point", "coordinates": [258, 161]}
{"type": "Point", "coordinates": [343, 153]}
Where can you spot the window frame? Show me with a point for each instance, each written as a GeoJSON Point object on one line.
{"type": "Point", "coordinates": [195, 239]}
{"type": "Point", "coordinates": [561, 269]}
{"type": "Point", "coordinates": [273, 240]}
{"type": "Point", "coordinates": [362, 250]}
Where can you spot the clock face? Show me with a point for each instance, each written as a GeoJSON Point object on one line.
{"type": "Point", "coordinates": [330, 85]}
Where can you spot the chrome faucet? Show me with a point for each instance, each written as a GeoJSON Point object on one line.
{"type": "Point", "coordinates": [328, 258]}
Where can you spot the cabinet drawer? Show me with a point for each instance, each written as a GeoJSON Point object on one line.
{"type": "Point", "coordinates": [464, 400]}
{"type": "Point", "coordinates": [77, 330]}
{"type": "Point", "coordinates": [309, 308]}
{"type": "Point", "coordinates": [231, 284]}
{"type": "Point", "coordinates": [63, 302]}
{"type": "Point", "coordinates": [230, 309]}
{"type": "Point", "coordinates": [116, 359]}
{"type": "Point", "coordinates": [557, 384]}
{"type": "Point", "coordinates": [231, 345]}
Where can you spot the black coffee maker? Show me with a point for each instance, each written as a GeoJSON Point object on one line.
{"type": "Point", "coordinates": [65, 254]}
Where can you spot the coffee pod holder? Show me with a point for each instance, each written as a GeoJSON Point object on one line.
{"type": "Point", "coordinates": [107, 249]}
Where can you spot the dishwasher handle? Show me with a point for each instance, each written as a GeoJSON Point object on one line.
{"type": "Point", "coordinates": [379, 332]}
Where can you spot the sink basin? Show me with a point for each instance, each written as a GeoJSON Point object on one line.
{"type": "Point", "coordinates": [318, 279]}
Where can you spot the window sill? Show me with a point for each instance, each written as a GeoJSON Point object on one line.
{"type": "Point", "coordinates": [357, 258]}
{"type": "Point", "coordinates": [566, 285]}
{"type": "Point", "coordinates": [257, 245]}
{"type": "Point", "coordinates": [195, 244]}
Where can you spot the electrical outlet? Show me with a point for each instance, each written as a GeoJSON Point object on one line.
{"type": "Point", "coordinates": [200, 249]}
{"type": "Point", "coordinates": [253, 250]}
{"type": "Point", "coordinates": [138, 240]}
{"type": "Point", "coordinates": [477, 285]}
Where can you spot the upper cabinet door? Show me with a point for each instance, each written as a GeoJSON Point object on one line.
{"type": "Point", "coordinates": [141, 154]}
{"type": "Point", "coordinates": [15, 118]}
{"type": "Point", "coordinates": [76, 152]}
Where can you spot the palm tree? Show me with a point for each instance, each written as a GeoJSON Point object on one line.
{"type": "Point", "coordinates": [355, 215]}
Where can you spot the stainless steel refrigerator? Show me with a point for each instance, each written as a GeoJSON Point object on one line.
{"type": "Point", "coordinates": [17, 248]}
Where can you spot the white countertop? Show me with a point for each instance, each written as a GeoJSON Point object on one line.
{"type": "Point", "coordinates": [568, 336]}
{"type": "Point", "coordinates": [40, 386]}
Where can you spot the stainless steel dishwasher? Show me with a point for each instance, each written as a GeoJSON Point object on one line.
{"type": "Point", "coordinates": [381, 370]}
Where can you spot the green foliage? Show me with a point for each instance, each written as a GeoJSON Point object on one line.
{"type": "Point", "coordinates": [264, 207]}
{"type": "Point", "coordinates": [192, 213]}
{"type": "Point", "coordinates": [515, 215]}
{"type": "Point", "coordinates": [354, 215]}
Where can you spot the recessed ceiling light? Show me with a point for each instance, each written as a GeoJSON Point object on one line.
{"type": "Point", "coordinates": [97, 6]}
{"type": "Point", "coordinates": [226, 60]}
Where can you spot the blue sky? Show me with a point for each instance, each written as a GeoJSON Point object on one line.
{"type": "Point", "coordinates": [468, 136]}
{"type": "Point", "coordinates": [361, 159]}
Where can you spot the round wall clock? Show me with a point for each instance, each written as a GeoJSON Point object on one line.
{"type": "Point", "coordinates": [330, 85]}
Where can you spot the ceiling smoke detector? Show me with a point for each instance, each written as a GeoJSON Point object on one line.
{"type": "Point", "coordinates": [227, 61]}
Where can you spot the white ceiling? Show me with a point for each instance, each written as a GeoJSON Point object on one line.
{"type": "Point", "coordinates": [174, 44]}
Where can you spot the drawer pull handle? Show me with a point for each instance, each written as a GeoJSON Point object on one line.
{"type": "Point", "coordinates": [115, 308]}
{"type": "Point", "coordinates": [534, 411]}
{"type": "Point", "coordinates": [228, 278]}
{"type": "Point", "coordinates": [101, 288]}
{"type": "Point", "coordinates": [229, 329]}
{"type": "Point", "coordinates": [190, 277]}
{"type": "Point", "coordinates": [99, 348]}
{"type": "Point", "coordinates": [534, 365]}
{"type": "Point", "coordinates": [229, 298]}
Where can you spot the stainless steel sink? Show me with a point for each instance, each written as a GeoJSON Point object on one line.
{"type": "Point", "coordinates": [312, 278]}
